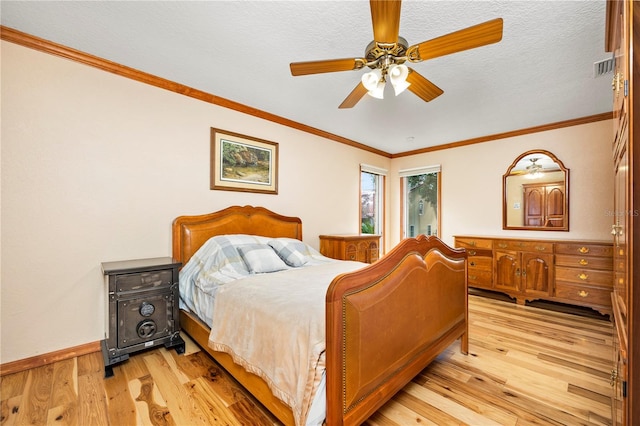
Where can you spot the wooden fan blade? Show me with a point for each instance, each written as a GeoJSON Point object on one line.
{"type": "Point", "coordinates": [328, 65]}
{"type": "Point", "coordinates": [478, 35]}
{"type": "Point", "coordinates": [385, 15]}
{"type": "Point", "coordinates": [354, 97]}
{"type": "Point", "coordinates": [422, 87]}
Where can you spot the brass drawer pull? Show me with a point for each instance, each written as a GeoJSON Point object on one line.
{"type": "Point", "coordinates": [583, 262]}
{"type": "Point", "coordinates": [472, 252]}
{"type": "Point", "coordinates": [472, 277]}
{"type": "Point", "coordinates": [583, 250]}
{"type": "Point", "coordinates": [472, 243]}
{"type": "Point", "coordinates": [583, 276]}
{"type": "Point", "coordinates": [541, 248]}
{"type": "Point", "coordinates": [502, 245]}
{"type": "Point", "coordinates": [583, 293]}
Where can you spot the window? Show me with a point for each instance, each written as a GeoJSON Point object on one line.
{"type": "Point", "coordinates": [421, 193]}
{"type": "Point", "coordinates": [371, 199]}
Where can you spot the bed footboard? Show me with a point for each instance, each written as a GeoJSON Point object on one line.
{"type": "Point", "coordinates": [387, 322]}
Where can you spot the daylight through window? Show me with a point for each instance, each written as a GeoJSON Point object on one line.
{"type": "Point", "coordinates": [371, 199]}
{"type": "Point", "coordinates": [421, 189]}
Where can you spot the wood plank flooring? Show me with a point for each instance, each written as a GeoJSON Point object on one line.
{"type": "Point", "coordinates": [526, 366]}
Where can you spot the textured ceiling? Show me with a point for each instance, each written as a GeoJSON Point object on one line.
{"type": "Point", "coordinates": [540, 73]}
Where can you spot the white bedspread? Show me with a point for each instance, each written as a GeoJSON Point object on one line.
{"type": "Point", "coordinates": [274, 326]}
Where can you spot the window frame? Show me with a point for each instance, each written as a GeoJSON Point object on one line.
{"type": "Point", "coordinates": [380, 201]}
{"type": "Point", "coordinates": [404, 174]}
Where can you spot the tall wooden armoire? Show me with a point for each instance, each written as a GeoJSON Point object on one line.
{"type": "Point", "coordinates": [622, 38]}
{"type": "Point", "coordinates": [544, 204]}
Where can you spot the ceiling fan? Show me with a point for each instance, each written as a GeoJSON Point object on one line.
{"type": "Point", "coordinates": [387, 53]}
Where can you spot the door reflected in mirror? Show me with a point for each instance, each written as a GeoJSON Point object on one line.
{"type": "Point", "coordinates": [536, 193]}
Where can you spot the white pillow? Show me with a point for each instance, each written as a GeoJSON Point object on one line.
{"type": "Point", "coordinates": [292, 251]}
{"type": "Point", "coordinates": [261, 258]}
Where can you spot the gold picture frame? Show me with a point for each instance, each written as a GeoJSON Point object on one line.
{"type": "Point", "coordinates": [243, 163]}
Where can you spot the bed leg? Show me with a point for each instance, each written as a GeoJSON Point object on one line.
{"type": "Point", "coordinates": [464, 343]}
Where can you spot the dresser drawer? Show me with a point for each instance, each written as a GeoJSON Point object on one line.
{"type": "Point", "coordinates": [144, 280]}
{"type": "Point", "coordinates": [584, 262]}
{"type": "Point", "coordinates": [374, 253]}
{"type": "Point", "coordinates": [351, 253]}
{"type": "Point", "coordinates": [474, 243]}
{"type": "Point", "coordinates": [479, 253]}
{"type": "Point", "coordinates": [578, 249]}
{"type": "Point", "coordinates": [480, 263]}
{"type": "Point", "coordinates": [585, 276]}
{"type": "Point", "coordinates": [480, 278]}
{"type": "Point", "coordinates": [584, 294]}
{"type": "Point", "coordinates": [532, 246]}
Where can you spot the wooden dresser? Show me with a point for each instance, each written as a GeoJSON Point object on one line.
{"type": "Point", "coordinates": [363, 248]}
{"type": "Point", "coordinates": [573, 272]}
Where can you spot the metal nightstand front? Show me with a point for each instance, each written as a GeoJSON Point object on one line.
{"type": "Point", "coordinates": [142, 307]}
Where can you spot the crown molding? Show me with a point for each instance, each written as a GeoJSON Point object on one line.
{"type": "Point", "coordinates": [511, 134]}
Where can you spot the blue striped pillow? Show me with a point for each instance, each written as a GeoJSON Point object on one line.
{"type": "Point", "coordinates": [293, 252]}
{"type": "Point", "coordinates": [260, 258]}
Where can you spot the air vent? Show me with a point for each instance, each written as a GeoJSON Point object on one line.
{"type": "Point", "coordinates": [603, 67]}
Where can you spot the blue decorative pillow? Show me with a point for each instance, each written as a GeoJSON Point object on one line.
{"type": "Point", "coordinates": [261, 258]}
{"type": "Point", "coordinates": [293, 252]}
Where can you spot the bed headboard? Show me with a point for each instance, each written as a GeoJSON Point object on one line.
{"type": "Point", "coordinates": [191, 232]}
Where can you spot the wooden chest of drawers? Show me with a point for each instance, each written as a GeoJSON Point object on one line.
{"type": "Point", "coordinates": [584, 274]}
{"type": "Point", "coordinates": [573, 272]}
{"type": "Point", "coordinates": [362, 248]}
{"type": "Point", "coordinates": [480, 261]}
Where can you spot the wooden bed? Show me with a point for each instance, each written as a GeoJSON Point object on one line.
{"type": "Point", "coordinates": [384, 323]}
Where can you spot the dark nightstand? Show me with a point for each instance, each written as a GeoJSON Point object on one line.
{"type": "Point", "coordinates": [142, 299]}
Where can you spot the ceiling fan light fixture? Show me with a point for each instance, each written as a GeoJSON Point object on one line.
{"type": "Point", "coordinates": [534, 170]}
{"type": "Point", "coordinates": [374, 83]}
{"type": "Point", "coordinates": [398, 75]}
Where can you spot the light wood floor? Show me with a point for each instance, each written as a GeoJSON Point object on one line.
{"type": "Point", "coordinates": [526, 366]}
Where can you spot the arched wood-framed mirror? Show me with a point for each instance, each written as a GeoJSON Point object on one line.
{"type": "Point", "coordinates": [535, 192]}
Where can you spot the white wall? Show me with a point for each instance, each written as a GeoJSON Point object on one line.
{"type": "Point", "coordinates": [95, 167]}
{"type": "Point", "coordinates": [472, 183]}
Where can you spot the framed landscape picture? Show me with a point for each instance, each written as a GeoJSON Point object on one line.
{"type": "Point", "coordinates": [243, 163]}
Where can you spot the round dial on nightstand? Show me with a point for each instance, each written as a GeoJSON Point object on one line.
{"type": "Point", "coordinates": [146, 309]}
